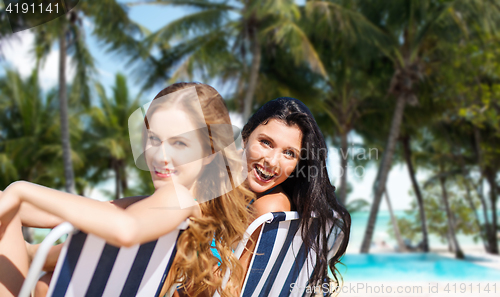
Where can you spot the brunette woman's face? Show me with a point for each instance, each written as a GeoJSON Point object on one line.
{"type": "Point", "coordinates": [272, 151]}
{"type": "Point", "coordinates": [174, 151]}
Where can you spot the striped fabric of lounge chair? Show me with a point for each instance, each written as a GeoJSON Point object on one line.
{"type": "Point", "coordinates": [281, 265]}
{"type": "Point", "coordinates": [88, 266]}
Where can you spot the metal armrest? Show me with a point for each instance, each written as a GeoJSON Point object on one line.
{"type": "Point", "coordinates": [268, 217]}
{"type": "Point", "coordinates": [41, 255]}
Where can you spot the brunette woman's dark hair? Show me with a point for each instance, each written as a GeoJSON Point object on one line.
{"type": "Point", "coordinates": [309, 187]}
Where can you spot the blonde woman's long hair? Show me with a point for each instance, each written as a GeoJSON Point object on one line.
{"type": "Point", "coordinates": [224, 218]}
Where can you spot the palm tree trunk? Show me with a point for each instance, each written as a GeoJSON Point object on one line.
{"type": "Point", "coordinates": [240, 88]}
{"type": "Point", "coordinates": [416, 189]}
{"type": "Point", "coordinates": [124, 182]}
{"type": "Point", "coordinates": [343, 167]}
{"type": "Point", "coordinates": [451, 220]}
{"type": "Point", "coordinates": [383, 172]}
{"type": "Point", "coordinates": [468, 197]}
{"type": "Point", "coordinates": [254, 75]}
{"type": "Point", "coordinates": [116, 168]}
{"type": "Point", "coordinates": [123, 177]}
{"type": "Point", "coordinates": [490, 177]}
{"type": "Point", "coordinates": [69, 184]}
{"type": "Point", "coordinates": [491, 236]}
{"type": "Point", "coordinates": [397, 233]}
{"type": "Point", "coordinates": [451, 247]}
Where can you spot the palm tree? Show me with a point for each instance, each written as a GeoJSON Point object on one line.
{"type": "Point", "coordinates": [468, 83]}
{"type": "Point", "coordinates": [112, 26]}
{"type": "Point", "coordinates": [28, 135]}
{"type": "Point", "coordinates": [458, 133]}
{"type": "Point", "coordinates": [416, 189]}
{"type": "Point", "coordinates": [415, 119]}
{"type": "Point", "coordinates": [29, 140]}
{"type": "Point", "coordinates": [415, 29]}
{"type": "Point", "coordinates": [341, 36]}
{"type": "Point", "coordinates": [227, 40]}
{"type": "Point", "coordinates": [486, 142]}
{"type": "Point", "coordinates": [441, 177]}
{"type": "Point", "coordinates": [109, 129]}
{"type": "Point", "coordinates": [437, 214]}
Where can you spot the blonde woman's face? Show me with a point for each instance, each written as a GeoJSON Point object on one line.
{"type": "Point", "coordinates": [174, 150]}
{"type": "Point", "coordinates": [273, 151]}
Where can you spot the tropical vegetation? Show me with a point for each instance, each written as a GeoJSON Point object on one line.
{"type": "Point", "coordinates": [417, 79]}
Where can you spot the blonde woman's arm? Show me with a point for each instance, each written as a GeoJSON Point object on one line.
{"type": "Point", "coordinates": [36, 218]}
{"type": "Point", "coordinates": [32, 216]}
{"type": "Point", "coordinates": [143, 221]}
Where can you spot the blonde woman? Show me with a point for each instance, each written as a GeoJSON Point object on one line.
{"type": "Point", "coordinates": [194, 169]}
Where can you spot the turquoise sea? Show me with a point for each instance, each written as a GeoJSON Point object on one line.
{"type": "Point", "coordinates": [414, 267]}
{"type": "Point", "coordinates": [360, 219]}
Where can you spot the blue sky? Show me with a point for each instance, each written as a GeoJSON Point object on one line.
{"type": "Point", "coordinates": [17, 55]}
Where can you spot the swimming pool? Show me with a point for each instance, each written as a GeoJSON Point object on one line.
{"type": "Point", "coordinates": [412, 267]}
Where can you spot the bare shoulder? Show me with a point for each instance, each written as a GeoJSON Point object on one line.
{"type": "Point", "coordinates": [273, 202]}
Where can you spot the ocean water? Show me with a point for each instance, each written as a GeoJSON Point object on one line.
{"type": "Point", "coordinates": [360, 219]}
{"type": "Point", "coordinates": [414, 267]}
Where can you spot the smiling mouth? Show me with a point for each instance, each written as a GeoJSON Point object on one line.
{"type": "Point", "coordinates": [164, 173]}
{"type": "Point", "coordinates": [263, 174]}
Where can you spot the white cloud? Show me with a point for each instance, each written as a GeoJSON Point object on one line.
{"type": "Point", "coordinates": [236, 119]}
{"type": "Point", "coordinates": [18, 54]}
{"type": "Point", "coordinates": [49, 75]}
{"type": "Point", "coordinates": [89, 26]}
{"type": "Point", "coordinates": [105, 73]}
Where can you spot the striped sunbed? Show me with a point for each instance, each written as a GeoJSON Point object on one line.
{"type": "Point", "coordinates": [89, 267]}
{"type": "Point", "coordinates": [281, 265]}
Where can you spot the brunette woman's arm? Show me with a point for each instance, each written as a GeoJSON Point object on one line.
{"type": "Point", "coordinates": [143, 221]}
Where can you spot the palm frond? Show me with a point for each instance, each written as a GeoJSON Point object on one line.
{"type": "Point", "coordinates": [290, 35]}
{"type": "Point", "coordinates": [197, 23]}
{"type": "Point", "coordinates": [114, 28]}
{"type": "Point", "coordinates": [192, 3]}
{"type": "Point", "coordinates": [206, 51]}
{"type": "Point", "coordinates": [85, 69]}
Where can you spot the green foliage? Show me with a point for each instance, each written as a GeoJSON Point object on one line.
{"type": "Point", "coordinates": [29, 135]}
{"type": "Point", "coordinates": [357, 205]}
{"type": "Point", "coordinates": [410, 226]}
{"type": "Point", "coordinates": [109, 143]}
{"type": "Point", "coordinates": [346, 59]}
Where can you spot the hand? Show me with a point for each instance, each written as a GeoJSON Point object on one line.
{"type": "Point", "coordinates": [9, 206]}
